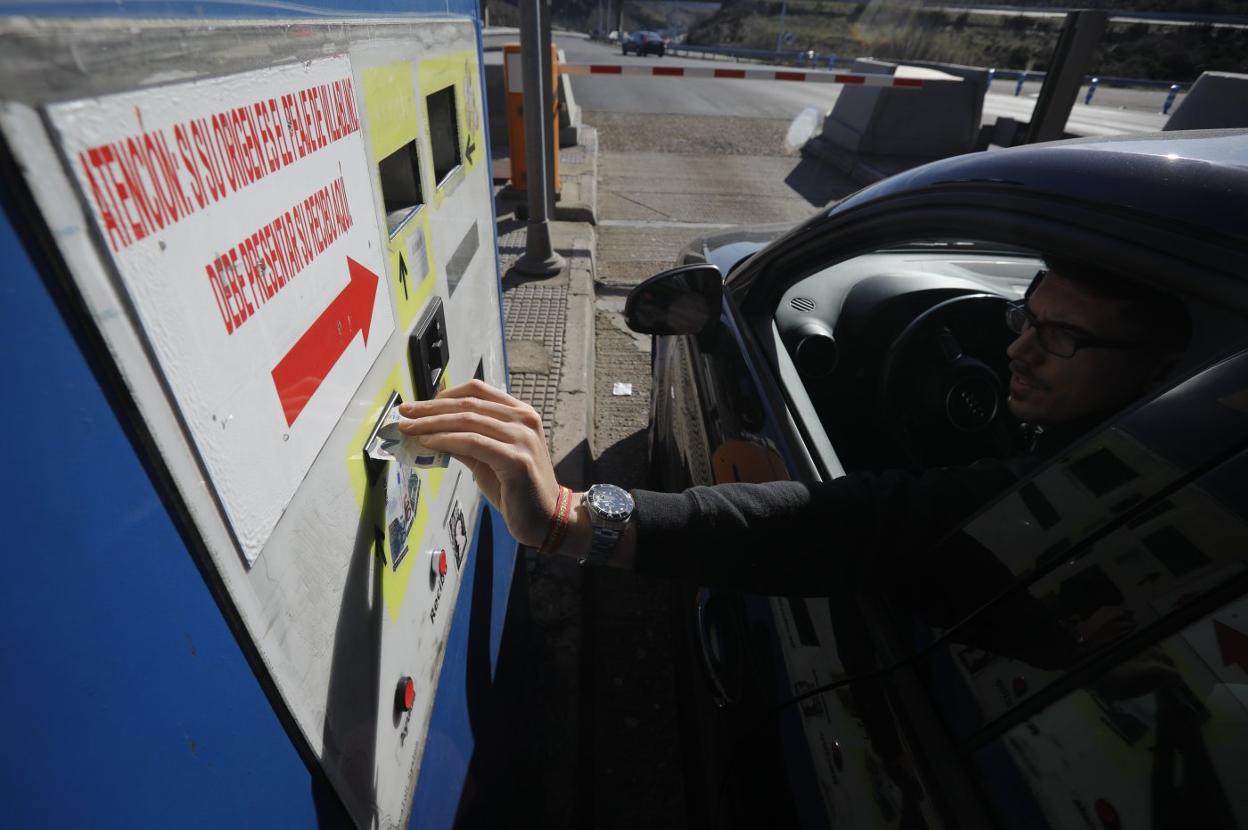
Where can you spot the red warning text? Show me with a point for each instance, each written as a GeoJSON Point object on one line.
{"type": "Point", "coordinates": [254, 271]}
{"type": "Point", "coordinates": [144, 183]}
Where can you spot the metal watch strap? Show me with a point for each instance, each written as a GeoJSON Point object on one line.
{"type": "Point", "coordinates": [606, 537]}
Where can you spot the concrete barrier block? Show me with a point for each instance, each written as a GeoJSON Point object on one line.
{"type": "Point", "coordinates": [977, 76]}
{"type": "Point", "coordinates": [940, 119]}
{"type": "Point", "coordinates": [1216, 100]}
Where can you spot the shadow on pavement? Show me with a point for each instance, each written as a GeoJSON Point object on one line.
{"type": "Point", "coordinates": [818, 183]}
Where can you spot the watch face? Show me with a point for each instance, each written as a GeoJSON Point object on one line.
{"type": "Point", "coordinates": [611, 502]}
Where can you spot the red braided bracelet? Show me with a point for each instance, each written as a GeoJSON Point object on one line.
{"type": "Point", "coordinates": [558, 522]}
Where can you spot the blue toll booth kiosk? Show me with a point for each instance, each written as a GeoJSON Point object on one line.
{"type": "Point", "coordinates": [235, 236]}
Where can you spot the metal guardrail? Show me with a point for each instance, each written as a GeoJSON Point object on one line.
{"type": "Point", "coordinates": [786, 58]}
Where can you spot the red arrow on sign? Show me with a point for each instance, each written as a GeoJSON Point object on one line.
{"type": "Point", "coordinates": [299, 374]}
{"type": "Point", "coordinates": [1233, 645]}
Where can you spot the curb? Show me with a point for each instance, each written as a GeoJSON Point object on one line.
{"type": "Point", "coordinates": [579, 173]}
{"type": "Point", "coordinates": [573, 434]}
{"type": "Point", "coordinates": [570, 415]}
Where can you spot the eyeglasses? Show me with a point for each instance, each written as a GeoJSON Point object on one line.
{"type": "Point", "coordinates": [1058, 339]}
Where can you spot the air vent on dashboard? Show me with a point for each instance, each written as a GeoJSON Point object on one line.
{"type": "Point", "coordinates": [814, 349]}
{"type": "Point", "coordinates": [803, 304]}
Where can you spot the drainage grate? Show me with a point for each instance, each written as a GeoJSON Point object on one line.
{"type": "Point", "coordinates": [510, 247]}
{"type": "Point", "coordinates": [538, 313]}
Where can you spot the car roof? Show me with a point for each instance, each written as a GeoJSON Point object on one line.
{"type": "Point", "coordinates": [1195, 178]}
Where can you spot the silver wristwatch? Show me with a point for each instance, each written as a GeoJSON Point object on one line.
{"type": "Point", "coordinates": [610, 509]}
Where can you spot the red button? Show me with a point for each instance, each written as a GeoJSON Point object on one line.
{"type": "Point", "coordinates": [407, 693]}
{"type": "Point", "coordinates": [437, 564]}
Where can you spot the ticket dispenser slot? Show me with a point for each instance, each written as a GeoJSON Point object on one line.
{"type": "Point", "coordinates": [428, 350]}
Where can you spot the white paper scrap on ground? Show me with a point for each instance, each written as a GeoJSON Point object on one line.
{"type": "Point", "coordinates": [392, 445]}
{"type": "Point", "coordinates": [622, 389]}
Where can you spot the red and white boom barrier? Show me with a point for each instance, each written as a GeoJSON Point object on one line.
{"type": "Point", "coordinates": [848, 78]}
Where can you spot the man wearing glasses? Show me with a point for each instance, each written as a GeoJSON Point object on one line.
{"type": "Point", "coordinates": [1087, 345]}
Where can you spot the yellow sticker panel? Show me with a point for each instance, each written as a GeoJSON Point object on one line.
{"type": "Point", "coordinates": [394, 121]}
{"type": "Point", "coordinates": [390, 103]}
{"type": "Point", "coordinates": [411, 263]}
{"type": "Point", "coordinates": [459, 71]}
{"type": "Point", "coordinates": [371, 499]}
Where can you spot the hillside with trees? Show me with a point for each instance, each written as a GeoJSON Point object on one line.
{"type": "Point", "coordinates": [912, 31]}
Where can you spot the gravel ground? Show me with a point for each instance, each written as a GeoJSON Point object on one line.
{"type": "Point", "coordinates": [689, 134]}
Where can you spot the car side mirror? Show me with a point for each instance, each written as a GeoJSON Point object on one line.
{"type": "Point", "coordinates": [684, 300]}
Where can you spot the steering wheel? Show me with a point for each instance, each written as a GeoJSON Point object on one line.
{"type": "Point", "coordinates": [942, 390]}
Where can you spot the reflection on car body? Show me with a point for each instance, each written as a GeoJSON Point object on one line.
{"type": "Point", "coordinates": [1075, 653]}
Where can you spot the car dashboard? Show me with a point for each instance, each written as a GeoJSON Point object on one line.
{"type": "Point", "coordinates": [839, 323]}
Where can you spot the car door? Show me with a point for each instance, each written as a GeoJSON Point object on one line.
{"type": "Point", "coordinates": [1081, 641]}
{"type": "Point", "coordinates": [741, 385]}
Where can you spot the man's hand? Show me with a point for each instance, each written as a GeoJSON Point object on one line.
{"type": "Point", "coordinates": [501, 441]}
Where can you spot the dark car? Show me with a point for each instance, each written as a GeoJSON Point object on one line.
{"type": "Point", "coordinates": [644, 43]}
{"type": "Point", "coordinates": [843, 345]}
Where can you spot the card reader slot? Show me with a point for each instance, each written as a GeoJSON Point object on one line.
{"type": "Point", "coordinates": [428, 350]}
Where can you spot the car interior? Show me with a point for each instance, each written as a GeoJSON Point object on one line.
{"type": "Point", "coordinates": [900, 353]}
{"type": "Point", "coordinates": [901, 350]}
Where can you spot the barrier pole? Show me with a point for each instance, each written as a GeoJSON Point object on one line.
{"type": "Point", "coordinates": [539, 258]}
{"type": "Point", "coordinates": [1018, 88]}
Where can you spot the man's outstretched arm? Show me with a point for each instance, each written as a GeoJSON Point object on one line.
{"type": "Point", "coordinates": [786, 538]}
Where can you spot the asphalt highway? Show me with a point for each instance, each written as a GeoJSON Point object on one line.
{"type": "Point", "coordinates": [1113, 111]}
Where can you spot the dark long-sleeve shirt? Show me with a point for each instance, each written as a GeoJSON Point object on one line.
{"type": "Point", "coordinates": [790, 538]}
{"type": "Point", "coordinates": [873, 530]}
{"type": "Point", "coordinates": [796, 539]}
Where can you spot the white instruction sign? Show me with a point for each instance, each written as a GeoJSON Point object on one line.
{"type": "Point", "coordinates": [239, 214]}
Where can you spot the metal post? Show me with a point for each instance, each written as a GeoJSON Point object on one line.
{"type": "Point", "coordinates": [1075, 45]}
{"type": "Point", "coordinates": [1018, 88]}
{"type": "Point", "coordinates": [1087, 99]}
{"type": "Point", "coordinates": [539, 258]}
{"type": "Point", "coordinates": [780, 37]}
{"type": "Point", "coordinates": [548, 96]}
{"type": "Point", "coordinates": [1174, 91]}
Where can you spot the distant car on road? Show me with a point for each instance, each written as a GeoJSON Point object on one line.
{"type": "Point", "coordinates": [1077, 648]}
{"type": "Point", "coordinates": [644, 43]}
